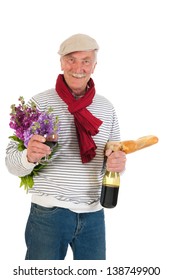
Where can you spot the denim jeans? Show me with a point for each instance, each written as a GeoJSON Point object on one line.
{"type": "Point", "coordinates": [49, 232]}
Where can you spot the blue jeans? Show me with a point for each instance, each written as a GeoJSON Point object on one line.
{"type": "Point", "coordinates": [49, 231]}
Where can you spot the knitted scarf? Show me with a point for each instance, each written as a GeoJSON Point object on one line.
{"type": "Point", "coordinates": [86, 124]}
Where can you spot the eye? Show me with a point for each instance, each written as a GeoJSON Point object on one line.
{"type": "Point", "coordinates": [70, 60]}
{"type": "Point", "coordinates": [86, 62]}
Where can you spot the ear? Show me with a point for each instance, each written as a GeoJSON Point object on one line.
{"type": "Point", "coordinates": [61, 64]}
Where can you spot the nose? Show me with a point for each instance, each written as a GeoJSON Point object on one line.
{"type": "Point", "coordinates": [78, 66]}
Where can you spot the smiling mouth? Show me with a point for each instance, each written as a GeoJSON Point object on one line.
{"type": "Point", "coordinates": [78, 76]}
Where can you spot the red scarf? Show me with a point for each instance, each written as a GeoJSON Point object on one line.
{"type": "Point", "coordinates": [86, 124]}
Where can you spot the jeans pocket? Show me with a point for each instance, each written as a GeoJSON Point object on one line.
{"type": "Point", "coordinates": [42, 210]}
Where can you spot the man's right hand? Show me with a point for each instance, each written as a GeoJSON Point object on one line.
{"type": "Point", "coordinates": [37, 149]}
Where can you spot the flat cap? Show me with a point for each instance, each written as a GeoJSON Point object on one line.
{"type": "Point", "coordinates": [78, 42]}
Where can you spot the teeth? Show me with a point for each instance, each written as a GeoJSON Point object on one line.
{"type": "Point", "coordinates": [78, 75]}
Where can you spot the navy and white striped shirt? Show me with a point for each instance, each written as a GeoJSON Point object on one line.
{"type": "Point", "coordinates": [65, 181]}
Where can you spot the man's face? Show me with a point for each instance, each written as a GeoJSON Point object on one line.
{"type": "Point", "coordinates": [78, 67]}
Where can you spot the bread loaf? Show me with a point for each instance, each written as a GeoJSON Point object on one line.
{"type": "Point", "coordinates": [131, 146]}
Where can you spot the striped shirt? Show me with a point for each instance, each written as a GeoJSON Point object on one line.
{"type": "Point", "coordinates": [65, 181]}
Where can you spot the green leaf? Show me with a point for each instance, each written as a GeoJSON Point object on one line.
{"type": "Point", "coordinates": [21, 145]}
{"type": "Point", "coordinates": [27, 181]}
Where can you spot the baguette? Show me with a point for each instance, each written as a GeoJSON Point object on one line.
{"type": "Point", "coordinates": [131, 146]}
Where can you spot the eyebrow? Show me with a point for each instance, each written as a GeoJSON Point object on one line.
{"type": "Point", "coordinates": [86, 57]}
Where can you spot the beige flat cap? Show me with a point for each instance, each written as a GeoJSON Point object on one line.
{"type": "Point", "coordinates": [78, 42]}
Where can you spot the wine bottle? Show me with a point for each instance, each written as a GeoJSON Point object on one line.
{"type": "Point", "coordinates": [110, 189]}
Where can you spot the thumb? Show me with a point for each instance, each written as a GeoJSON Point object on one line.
{"type": "Point", "coordinates": [108, 152]}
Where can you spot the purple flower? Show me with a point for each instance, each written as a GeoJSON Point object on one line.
{"type": "Point", "coordinates": [28, 120]}
{"type": "Point", "coordinates": [22, 117]}
{"type": "Point", "coordinates": [45, 125]}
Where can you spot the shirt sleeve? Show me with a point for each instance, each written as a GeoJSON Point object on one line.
{"type": "Point", "coordinates": [16, 161]}
{"type": "Point", "coordinates": [115, 131]}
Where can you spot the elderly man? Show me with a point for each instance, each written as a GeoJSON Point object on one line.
{"type": "Point", "coordinates": [65, 206]}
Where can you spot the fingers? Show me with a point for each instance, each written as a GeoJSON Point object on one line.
{"type": "Point", "coordinates": [38, 138]}
{"type": "Point", "coordinates": [116, 161]}
{"type": "Point", "coordinates": [37, 149]}
{"type": "Point", "coordinates": [108, 152]}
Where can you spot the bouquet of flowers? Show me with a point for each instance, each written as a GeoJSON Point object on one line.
{"type": "Point", "coordinates": [26, 121]}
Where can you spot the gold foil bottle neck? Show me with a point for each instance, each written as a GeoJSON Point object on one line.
{"type": "Point", "coordinates": [111, 179]}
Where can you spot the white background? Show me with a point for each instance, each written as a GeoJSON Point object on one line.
{"type": "Point", "coordinates": [135, 71]}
